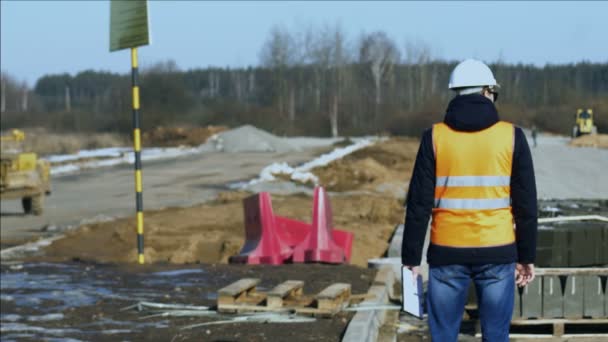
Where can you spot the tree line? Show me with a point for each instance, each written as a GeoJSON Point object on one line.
{"type": "Point", "coordinates": [314, 81]}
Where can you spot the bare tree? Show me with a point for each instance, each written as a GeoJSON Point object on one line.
{"type": "Point", "coordinates": [417, 55]}
{"type": "Point", "coordinates": [279, 53]}
{"type": "Point", "coordinates": [24, 97]}
{"type": "Point", "coordinates": [339, 61]}
{"type": "Point", "coordinates": [378, 51]}
{"type": "Point", "coordinates": [2, 93]}
{"type": "Point", "coordinates": [68, 101]}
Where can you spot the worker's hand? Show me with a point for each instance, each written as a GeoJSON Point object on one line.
{"type": "Point", "coordinates": [524, 274]}
{"type": "Point", "coordinates": [415, 272]}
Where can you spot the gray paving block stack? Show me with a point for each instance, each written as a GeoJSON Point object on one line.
{"type": "Point", "coordinates": [532, 299]}
{"type": "Point", "coordinates": [544, 249]}
{"type": "Point", "coordinates": [553, 302]}
{"type": "Point", "coordinates": [604, 244]}
{"type": "Point", "coordinates": [595, 239]}
{"type": "Point", "coordinates": [594, 297]}
{"type": "Point", "coordinates": [517, 304]}
{"type": "Point", "coordinates": [578, 250]}
{"type": "Point", "coordinates": [605, 287]}
{"type": "Point", "coordinates": [553, 248]}
{"type": "Point", "coordinates": [573, 297]}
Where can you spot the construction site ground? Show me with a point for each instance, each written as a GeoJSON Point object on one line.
{"type": "Point", "coordinates": [83, 301]}
{"type": "Point", "coordinates": [195, 217]}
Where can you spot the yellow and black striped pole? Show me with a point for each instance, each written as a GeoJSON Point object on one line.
{"type": "Point", "coordinates": [139, 200]}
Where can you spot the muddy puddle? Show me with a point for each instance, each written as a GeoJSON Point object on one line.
{"type": "Point", "coordinates": [86, 302]}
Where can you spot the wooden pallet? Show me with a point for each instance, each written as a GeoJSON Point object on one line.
{"type": "Point", "coordinates": [558, 328]}
{"type": "Point", "coordinates": [242, 296]}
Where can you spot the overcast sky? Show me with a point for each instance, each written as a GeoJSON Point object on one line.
{"type": "Point", "coordinates": [70, 36]}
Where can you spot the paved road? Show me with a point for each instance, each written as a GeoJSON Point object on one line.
{"type": "Point", "coordinates": [109, 192]}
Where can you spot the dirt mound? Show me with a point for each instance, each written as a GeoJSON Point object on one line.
{"type": "Point", "coordinates": [179, 136]}
{"type": "Point", "coordinates": [212, 232]}
{"type": "Point", "coordinates": [597, 140]}
{"type": "Point", "coordinates": [43, 142]}
{"type": "Point", "coordinates": [386, 162]}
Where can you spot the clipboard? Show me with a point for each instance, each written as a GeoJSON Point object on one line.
{"type": "Point", "coordinates": [412, 295]}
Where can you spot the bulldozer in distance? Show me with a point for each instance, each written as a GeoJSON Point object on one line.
{"type": "Point", "coordinates": [23, 175]}
{"type": "Point", "coordinates": [583, 123]}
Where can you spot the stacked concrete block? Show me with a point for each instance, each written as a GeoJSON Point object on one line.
{"type": "Point", "coordinates": [594, 304]}
{"type": "Point", "coordinates": [553, 299]}
{"type": "Point", "coordinates": [552, 250]}
{"type": "Point", "coordinates": [578, 250]}
{"type": "Point", "coordinates": [605, 286]}
{"type": "Point", "coordinates": [604, 249]}
{"type": "Point", "coordinates": [517, 303]}
{"type": "Point", "coordinates": [532, 299]}
{"type": "Point", "coordinates": [573, 297]}
{"type": "Point", "coordinates": [573, 245]}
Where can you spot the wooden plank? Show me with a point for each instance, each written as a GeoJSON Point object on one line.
{"type": "Point", "coordinates": [558, 329]}
{"type": "Point", "coordinates": [315, 312]}
{"type": "Point", "coordinates": [241, 291]}
{"type": "Point", "coordinates": [238, 287]}
{"type": "Point", "coordinates": [287, 289]}
{"type": "Point", "coordinates": [559, 320]}
{"type": "Point", "coordinates": [333, 297]}
{"type": "Point", "coordinates": [572, 271]}
{"type": "Point", "coordinates": [252, 308]}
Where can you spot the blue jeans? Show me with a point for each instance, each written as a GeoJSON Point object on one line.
{"type": "Point", "coordinates": [448, 291]}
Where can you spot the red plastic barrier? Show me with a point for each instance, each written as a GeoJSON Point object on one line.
{"type": "Point", "coordinates": [294, 232]}
{"type": "Point", "coordinates": [263, 243]}
{"type": "Point", "coordinates": [319, 245]}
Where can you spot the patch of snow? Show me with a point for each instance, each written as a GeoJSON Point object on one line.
{"type": "Point", "coordinates": [302, 173]}
{"type": "Point", "coordinates": [10, 318]}
{"type": "Point", "coordinates": [178, 272]}
{"type": "Point", "coordinates": [45, 318]}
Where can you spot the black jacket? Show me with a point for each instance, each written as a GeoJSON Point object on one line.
{"type": "Point", "coordinates": [470, 113]}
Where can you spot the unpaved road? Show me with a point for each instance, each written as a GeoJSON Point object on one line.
{"type": "Point", "coordinates": [564, 171]}
{"type": "Point", "coordinates": [104, 193]}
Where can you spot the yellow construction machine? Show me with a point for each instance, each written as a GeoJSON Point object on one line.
{"type": "Point", "coordinates": [22, 175]}
{"type": "Point", "coordinates": [583, 123]}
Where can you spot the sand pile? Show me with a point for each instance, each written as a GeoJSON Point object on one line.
{"type": "Point", "coordinates": [211, 232]}
{"type": "Point", "coordinates": [386, 162]}
{"type": "Point", "coordinates": [251, 139]}
{"type": "Point", "coordinates": [179, 136]}
{"type": "Point", "coordinates": [596, 140]}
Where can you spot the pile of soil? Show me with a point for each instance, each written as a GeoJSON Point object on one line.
{"type": "Point", "coordinates": [44, 142]}
{"type": "Point", "coordinates": [211, 232]}
{"type": "Point", "coordinates": [386, 162]}
{"type": "Point", "coordinates": [179, 136]}
{"type": "Point", "coordinates": [596, 140]}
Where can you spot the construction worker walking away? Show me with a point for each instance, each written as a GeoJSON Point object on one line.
{"type": "Point", "coordinates": [474, 176]}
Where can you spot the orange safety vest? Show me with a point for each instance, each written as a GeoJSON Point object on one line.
{"type": "Point", "coordinates": [473, 186]}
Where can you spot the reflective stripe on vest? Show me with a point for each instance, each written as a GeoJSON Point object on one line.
{"type": "Point", "coordinates": [472, 191]}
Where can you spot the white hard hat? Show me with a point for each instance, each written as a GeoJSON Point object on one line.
{"type": "Point", "coordinates": [472, 73]}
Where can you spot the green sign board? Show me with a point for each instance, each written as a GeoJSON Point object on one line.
{"type": "Point", "coordinates": [128, 24]}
